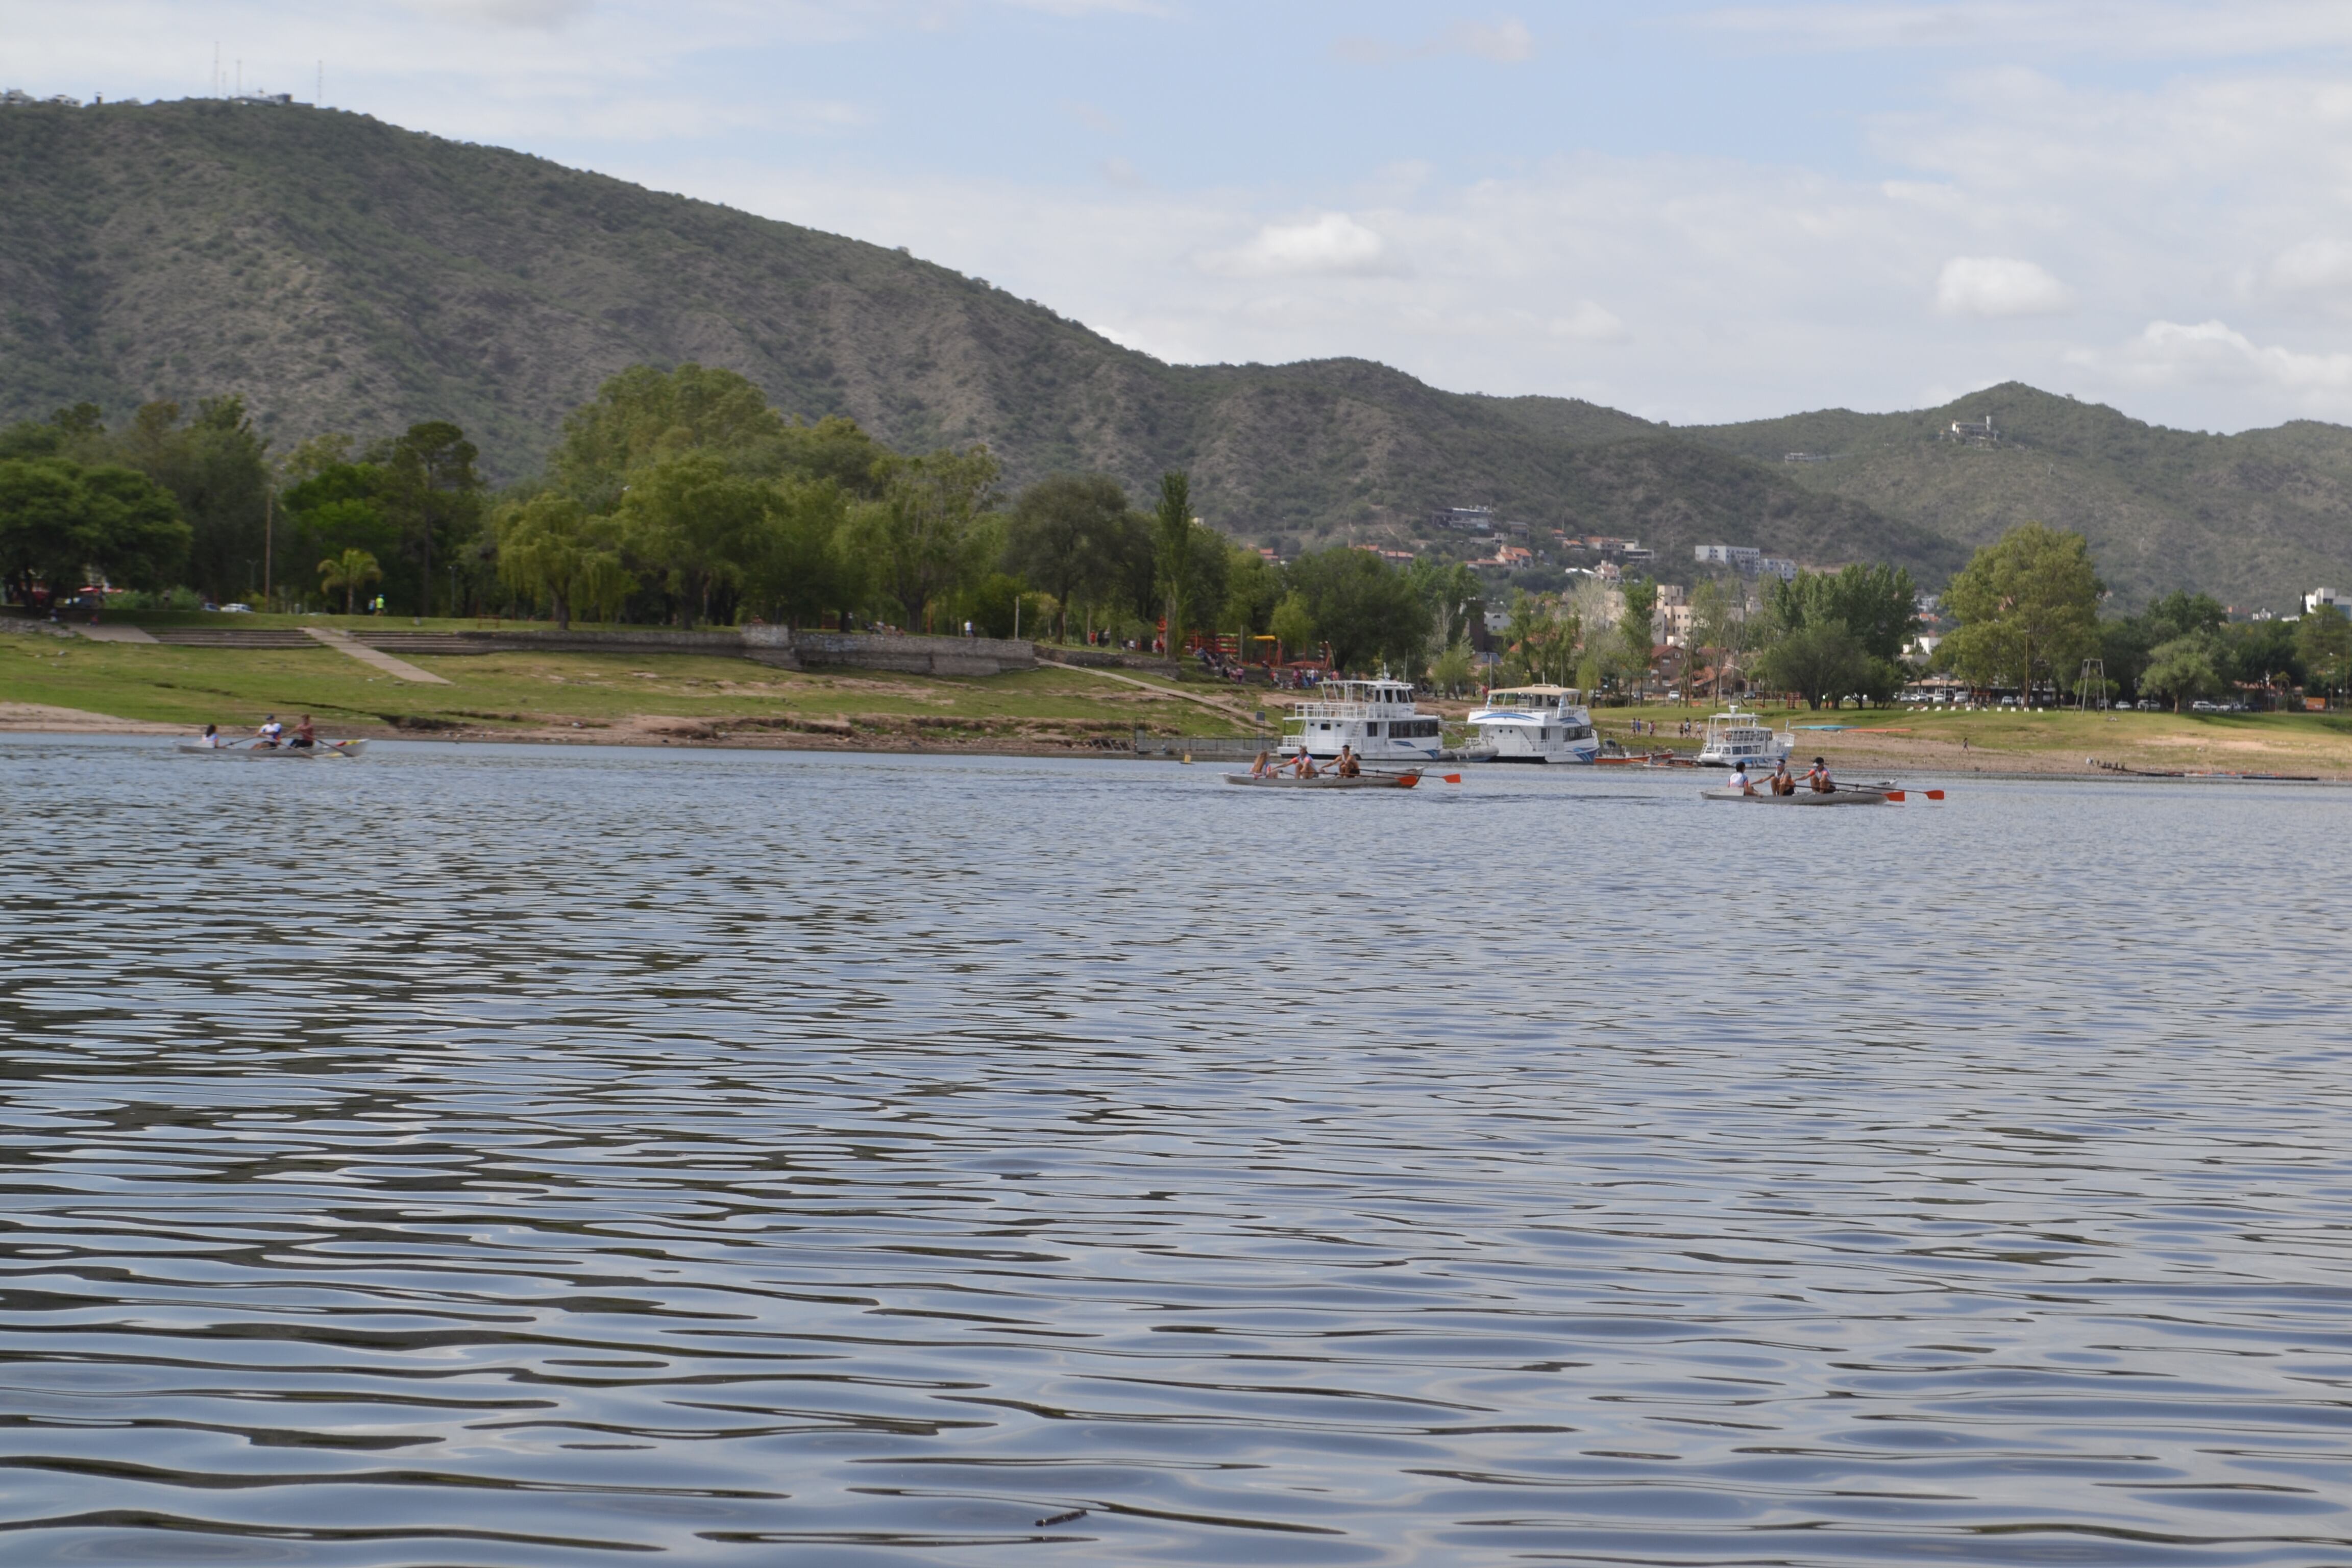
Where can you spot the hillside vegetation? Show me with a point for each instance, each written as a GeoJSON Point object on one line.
{"type": "Point", "coordinates": [345, 275]}
{"type": "Point", "coordinates": [341, 274]}
{"type": "Point", "coordinates": [2254, 519]}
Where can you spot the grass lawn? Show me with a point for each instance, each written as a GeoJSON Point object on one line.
{"type": "Point", "coordinates": [2318, 743]}
{"type": "Point", "coordinates": [673, 695]}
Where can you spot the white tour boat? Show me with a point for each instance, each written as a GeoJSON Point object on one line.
{"type": "Point", "coordinates": [1376, 718]}
{"type": "Point", "coordinates": [1735, 738]}
{"type": "Point", "coordinates": [1535, 724]}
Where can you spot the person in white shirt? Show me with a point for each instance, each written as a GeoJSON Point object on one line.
{"type": "Point", "coordinates": [1739, 780]}
{"type": "Point", "coordinates": [270, 729]}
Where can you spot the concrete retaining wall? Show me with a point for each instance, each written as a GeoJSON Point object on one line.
{"type": "Point", "coordinates": [906, 655]}
{"type": "Point", "coordinates": [1108, 658]}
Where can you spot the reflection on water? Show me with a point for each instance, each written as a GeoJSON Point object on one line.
{"type": "Point", "coordinates": [495, 1156]}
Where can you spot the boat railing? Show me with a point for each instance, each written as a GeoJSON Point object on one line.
{"type": "Point", "coordinates": [1350, 711]}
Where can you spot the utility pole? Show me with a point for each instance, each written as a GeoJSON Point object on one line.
{"type": "Point", "coordinates": [268, 538]}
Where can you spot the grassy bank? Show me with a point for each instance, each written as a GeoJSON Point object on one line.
{"type": "Point", "coordinates": [621, 697]}
{"type": "Point", "coordinates": [2011, 742]}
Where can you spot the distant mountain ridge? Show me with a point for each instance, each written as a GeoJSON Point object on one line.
{"type": "Point", "coordinates": [344, 273]}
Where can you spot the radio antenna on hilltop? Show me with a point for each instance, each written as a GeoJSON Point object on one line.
{"type": "Point", "coordinates": [320, 96]}
{"type": "Point", "coordinates": [215, 69]}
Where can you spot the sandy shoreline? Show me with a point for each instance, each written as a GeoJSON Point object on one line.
{"type": "Point", "coordinates": [1918, 759]}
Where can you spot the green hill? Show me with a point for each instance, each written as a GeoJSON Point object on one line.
{"type": "Point", "coordinates": [2254, 519]}
{"type": "Point", "coordinates": [343, 274]}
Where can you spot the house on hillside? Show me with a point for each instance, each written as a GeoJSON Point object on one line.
{"type": "Point", "coordinates": [1973, 432]}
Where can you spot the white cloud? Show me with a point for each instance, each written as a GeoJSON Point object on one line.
{"type": "Point", "coordinates": [1590, 323]}
{"type": "Point", "coordinates": [549, 14]}
{"type": "Point", "coordinates": [1999, 286]}
{"type": "Point", "coordinates": [2313, 266]}
{"type": "Point", "coordinates": [1506, 40]}
{"type": "Point", "coordinates": [1094, 118]}
{"type": "Point", "coordinates": [2213, 352]}
{"type": "Point", "coordinates": [1330, 243]}
{"type": "Point", "coordinates": [2144, 29]}
{"type": "Point", "coordinates": [1089, 7]}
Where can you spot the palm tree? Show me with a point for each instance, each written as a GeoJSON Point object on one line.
{"type": "Point", "coordinates": [351, 571]}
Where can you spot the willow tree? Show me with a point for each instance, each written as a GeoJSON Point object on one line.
{"type": "Point", "coordinates": [928, 536]}
{"type": "Point", "coordinates": [550, 548]}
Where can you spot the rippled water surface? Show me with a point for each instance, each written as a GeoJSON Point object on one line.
{"type": "Point", "coordinates": [488, 1156]}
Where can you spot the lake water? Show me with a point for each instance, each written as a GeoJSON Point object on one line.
{"type": "Point", "coordinates": [499, 1156]}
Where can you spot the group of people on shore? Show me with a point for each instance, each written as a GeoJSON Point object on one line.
{"type": "Point", "coordinates": [1782, 781]}
{"type": "Point", "coordinates": [269, 735]}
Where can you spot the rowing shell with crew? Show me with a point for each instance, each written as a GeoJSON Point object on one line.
{"type": "Point", "coordinates": [258, 752]}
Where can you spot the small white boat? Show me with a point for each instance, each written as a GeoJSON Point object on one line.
{"type": "Point", "coordinates": [1376, 719]}
{"type": "Point", "coordinates": [1735, 737]}
{"type": "Point", "coordinates": [254, 752]}
{"type": "Point", "coordinates": [1534, 724]}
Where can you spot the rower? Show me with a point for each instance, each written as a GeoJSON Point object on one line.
{"type": "Point", "coordinates": [306, 734]}
{"type": "Point", "coordinates": [270, 729]}
{"type": "Point", "coordinates": [1819, 780]}
{"type": "Point", "coordinates": [1349, 766]}
{"type": "Point", "coordinates": [1781, 783]}
{"type": "Point", "coordinates": [212, 740]}
{"type": "Point", "coordinates": [1263, 767]}
{"type": "Point", "coordinates": [1739, 780]}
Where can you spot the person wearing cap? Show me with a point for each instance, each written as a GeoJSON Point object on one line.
{"type": "Point", "coordinates": [1819, 780]}
{"type": "Point", "coordinates": [270, 729]}
{"type": "Point", "coordinates": [1781, 781]}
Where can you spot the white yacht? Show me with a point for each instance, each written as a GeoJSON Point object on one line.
{"type": "Point", "coordinates": [1534, 724]}
{"type": "Point", "coordinates": [1735, 738]}
{"type": "Point", "coordinates": [1377, 718]}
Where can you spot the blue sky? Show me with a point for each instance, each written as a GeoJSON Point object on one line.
{"type": "Point", "coordinates": [1695, 211]}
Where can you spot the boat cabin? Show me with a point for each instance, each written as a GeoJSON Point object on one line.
{"type": "Point", "coordinates": [1376, 719]}
{"type": "Point", "coordinates": [1535, 724]}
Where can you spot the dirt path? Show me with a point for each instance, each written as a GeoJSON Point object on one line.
{"type": "Point", "coordinates": [1221, 705]}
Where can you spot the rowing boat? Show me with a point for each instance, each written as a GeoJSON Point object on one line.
{"type": "Point", "coordinates": [253, 753]}
{"type": "Point", "coordinates": [1326, 781]}
{"type": "Point", "coordinates": [1842, 796]}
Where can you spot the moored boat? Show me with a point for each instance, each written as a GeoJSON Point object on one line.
{"type": "Point", "coordinates": [1735, 737]}
{"type": "Point", "coordinates": [1534, 724]}
{"type": "Point", "coordinates": [1376, 719]}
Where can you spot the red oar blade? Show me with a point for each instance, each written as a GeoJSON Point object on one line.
{"type": "Point", "coordinates": [1934, 794]}
{"type": "Point", "coordinates": [1895, 795]}
{"type": "Point", "coordinates": [1451, 778]}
